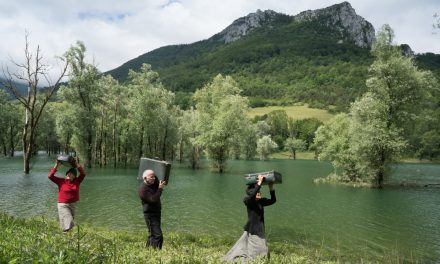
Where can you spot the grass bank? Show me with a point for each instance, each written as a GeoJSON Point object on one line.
{"type": "Point", "coordinates": [39, 240]}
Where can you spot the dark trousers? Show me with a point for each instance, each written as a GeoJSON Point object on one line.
{"type": "Point", "coordinates": [155, 237]}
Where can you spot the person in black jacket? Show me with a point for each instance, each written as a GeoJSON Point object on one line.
{"type": "Point", "coordinates": [252, 243]}
{"type": "Point", "coordinates": [150, 191]}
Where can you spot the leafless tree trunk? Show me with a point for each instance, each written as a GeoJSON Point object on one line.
{"type": "Point", "coordinates": [36, 99]}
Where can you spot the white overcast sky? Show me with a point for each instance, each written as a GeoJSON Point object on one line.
{"type": "Point", "coordinates": [117, 31]}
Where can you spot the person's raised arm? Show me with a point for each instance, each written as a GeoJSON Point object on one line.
{"type": "Point", "coordinates": [251, 195]}
{"type": "Point", "coordinates": [273, 198]}
{"type": "Point", "coordinates": [80, 169]}
{"type": "Point", "coordinates": [51, 175]}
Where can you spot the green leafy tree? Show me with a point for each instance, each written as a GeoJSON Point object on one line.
{"type": "Point", "coordinates": [65, 118]}
{"type": "Point", "coordinates": [304, 129]}
{"type": "Point", "coordinates": [248, 140]}
{"type": "Point", "coordinates": [154, 114]}
{"type": "Point", "coordinates": [109, 123]}
{"type": "Point", "coordinates": [46, 133]}
{"type": "Point", "coordinates": [188, 132]}
{"type": "Point", "coordinates": [278, 123]}
{"type": "Point", "coordinates": [10, 117]}
{"type": "Point", "coordinates": [361, 146]}
{"type": "Point", "coordinates": [262, 128]}
{"type": "Point", "coordinates": [293, 145]}
{"type": "Point", "coordinates": [265, 147]}
{"type": "Point", "coordinates": [401, 87]}
{"type": "Point", "coordinates": [3, 121]}
{"type": "Point", "coordinates": [374, 142]}
{"type": "Point", "coordinates": [84, 97]}
{"type": "Point", "coordinates": [332, 142]}
{"type": "Point", "coordinates": [429, 147]}
{"type": "Point", "coordinates": [221, 112]}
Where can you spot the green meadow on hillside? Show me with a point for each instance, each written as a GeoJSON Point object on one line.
{"type": "Point", "coordinates": [297, 112]}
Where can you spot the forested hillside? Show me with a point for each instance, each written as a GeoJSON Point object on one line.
{"type": "Point", "coordinates": [281, 61]}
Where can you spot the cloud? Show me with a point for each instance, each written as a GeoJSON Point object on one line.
{"type": "Point", "coordinates": [117, 31]}
{"type": "Point", "coordinates": [105, 16]}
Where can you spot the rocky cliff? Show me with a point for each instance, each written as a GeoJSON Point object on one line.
{"type": "Point", "coordinates": [341, 17]}
{"type": "Point", "coordinates": [243, 25]}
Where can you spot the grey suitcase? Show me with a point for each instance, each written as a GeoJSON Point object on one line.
{"type": "Point", "coordinates": [269, 176]}
{"type": "Point", "coordinates": [160, 167]}
{"type": "Point", "coordinates": [66, 160]}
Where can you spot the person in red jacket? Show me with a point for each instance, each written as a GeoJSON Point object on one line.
{"type": "Point", "coordinates": [68, 193]}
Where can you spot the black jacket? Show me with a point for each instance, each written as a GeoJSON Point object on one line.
{"type": "Point", "coordinates": [150, 197]}
{"type": "Point", "coordinates": [255, 210]}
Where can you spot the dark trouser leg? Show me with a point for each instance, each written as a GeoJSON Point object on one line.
{"type": "Point", "coordinates": [155, 237]}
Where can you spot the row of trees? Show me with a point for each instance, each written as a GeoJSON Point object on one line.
{"type": "Point", "coordinates": [109, 123]}
{"type": "Point", "coordinates": [10, 127]}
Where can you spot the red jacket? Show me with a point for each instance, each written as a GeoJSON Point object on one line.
{"type": "Point", "coordinates": [68, 192]}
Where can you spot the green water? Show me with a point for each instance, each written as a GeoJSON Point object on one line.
{"type": "Point", "coordinates": [336, 219]}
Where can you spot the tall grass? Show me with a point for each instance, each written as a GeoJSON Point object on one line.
{"type": "Point", "coordinates": [39, 240]}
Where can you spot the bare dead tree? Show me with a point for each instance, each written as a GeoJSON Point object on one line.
{"type": "Point", "coordinates": [34, 101]}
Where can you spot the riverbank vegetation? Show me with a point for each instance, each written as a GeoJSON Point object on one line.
{"type": "Point", "coordinates": [39, 239]}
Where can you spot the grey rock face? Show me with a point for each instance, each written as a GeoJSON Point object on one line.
{"type": "Point", "coordinates": [343, 18]}
{"type": "Point", "coordinates": [243, 25]}
{"type": "Point", "coordinates": [406, 50]}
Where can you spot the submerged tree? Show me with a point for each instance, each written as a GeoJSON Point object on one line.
{"type": "Point", "coordinates": [221, 111]}
{"type": "Point", "coordinates": [333, 143]}
{"type": "Point", "coordinates": [153, 114]}
{"type": "Point", "coordinates": [35, 99]}
{"type": "Point", "coordinates": [109, 132]}
{"type": "Point", "coordinates": [65, 116]}
{"type": "Point", "coordinates": [188, 132]}
{"type": "Point", "coordinates": [83, 96]}
{"type": "Point", "coordinates": [10, 116]}
{"type": "Point", "coordinates": [402, 88]}
{"type": "Point", "coordinates": [381, 121]}
{"type": "Point", "coordinates": [374, 141]}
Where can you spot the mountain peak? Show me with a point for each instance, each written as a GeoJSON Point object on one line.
{"type": "Point", "coordinates": [240, 27]}
{"type": "Point", "coordinates": [343, 17]}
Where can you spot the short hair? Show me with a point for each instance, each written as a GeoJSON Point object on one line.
{"type": "Point", "coordinates": [147, 172]}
